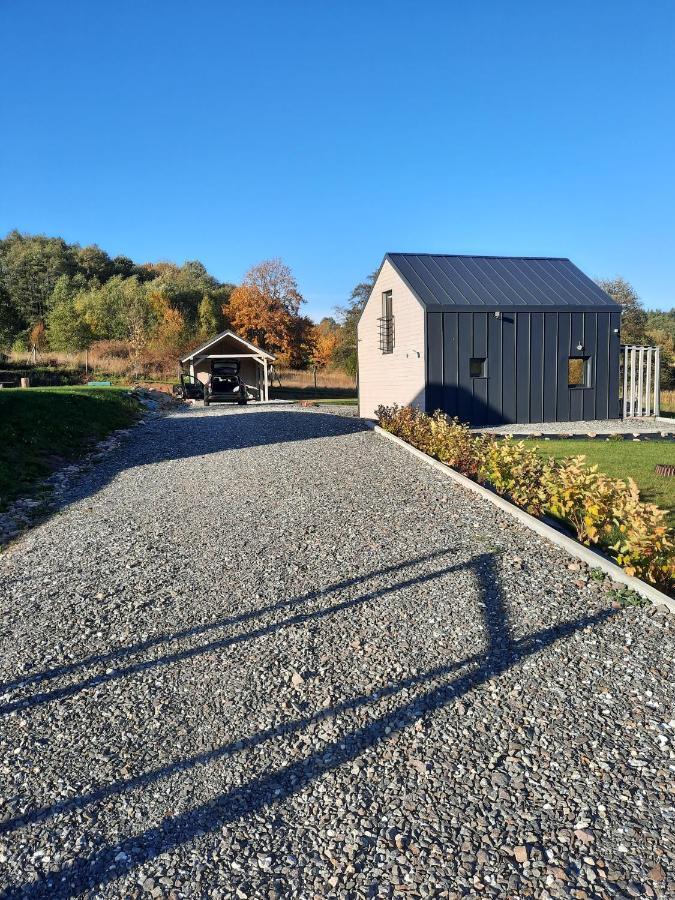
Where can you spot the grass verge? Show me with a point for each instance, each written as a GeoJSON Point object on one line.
{"type": "Point", "coordinates": [310, 393]}
{"type": "Point", "coordinates": [623, 459]}
{"type": "Point", "coordinates": [43, 428]}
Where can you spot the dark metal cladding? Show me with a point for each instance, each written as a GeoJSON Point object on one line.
{"type": "Point", "coordinates": [526, 375]}
{"type": "Point", "coordinates": [473, 283]}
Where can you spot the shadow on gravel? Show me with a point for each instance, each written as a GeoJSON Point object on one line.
{"type": "Point", "coordinates": [213, 646]}
{"type": "Point", "coordinates": [121, 653]}
{"type": "Point", "coordinates": [446, 683]}
{"type": "Point", "coordinates": [188, 434]}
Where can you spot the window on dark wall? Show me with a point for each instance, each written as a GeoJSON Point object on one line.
{"type": "Point", "coordinates": [579, 371]}
{"type": "Point", "coordinates": [386, 323]}
{"type": "Point", "coordinates": [478, 367]}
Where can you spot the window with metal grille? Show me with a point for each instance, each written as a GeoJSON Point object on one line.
{"type": "Point", "coordinates": [386, 323]}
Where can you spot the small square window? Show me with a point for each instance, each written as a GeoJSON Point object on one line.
{"type": "Point", "coordinates": [478, 367]}
{"type": "Point", "coordinates": [579, 371]}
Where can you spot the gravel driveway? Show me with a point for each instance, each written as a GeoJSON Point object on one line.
{"type": "Point", "coordinates": [269, 654]}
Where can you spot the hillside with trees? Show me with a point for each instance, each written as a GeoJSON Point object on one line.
{"type": "Point", "coordinates": [64, 298]}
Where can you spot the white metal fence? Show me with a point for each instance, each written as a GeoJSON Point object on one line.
{"type": "Point", "coordinates": [641, 370]}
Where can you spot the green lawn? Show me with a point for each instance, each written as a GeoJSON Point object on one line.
{"type": "Point", "coordinates": [310, 393]}
{"type": "Point", "coordinates": [345, 401]}
{"type": "Point", "coordinates": [42, 428]}
{"type": "Point", "coordinates": [624, 459]}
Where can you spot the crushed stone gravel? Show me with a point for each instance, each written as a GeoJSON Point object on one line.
{"type": "Point", "coordinates": [635, 426]}
{"type": "Point", "coordinates": [267, 654]}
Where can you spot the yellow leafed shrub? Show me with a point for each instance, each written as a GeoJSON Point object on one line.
{"type": "Point", "coordinates": [515, 471]}
{"type": "Point", "coordinates": [601, 510]}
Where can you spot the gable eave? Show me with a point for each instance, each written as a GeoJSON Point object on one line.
{"type": "Point", "coordinates": [388, 259]}
{"type": "Point", "coordinates": [219, 337]}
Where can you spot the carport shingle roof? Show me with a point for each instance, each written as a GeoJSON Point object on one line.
{"type": "Point", "coordinates": [498, 282]}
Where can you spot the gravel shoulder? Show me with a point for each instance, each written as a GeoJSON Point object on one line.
{"type": "Point", "coordinates": [265, 653]}
{"type": "Point", "coordinates": [597, 426]}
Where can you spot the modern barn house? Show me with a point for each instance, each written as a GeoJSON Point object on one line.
{"type": "Point", "coordinates": [489, 339]}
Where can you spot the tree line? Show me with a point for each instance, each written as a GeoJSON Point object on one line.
{"type": "Point", "coordinates": [60, 296]}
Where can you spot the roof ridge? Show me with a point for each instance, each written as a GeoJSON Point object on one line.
{"type": "Point", "coordinates": [473, 255]}
{"type": "Point", "coordinates": [462, 280]}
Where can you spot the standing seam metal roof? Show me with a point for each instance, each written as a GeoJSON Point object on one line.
{"type": "Point", "coordinates": [497, 282]}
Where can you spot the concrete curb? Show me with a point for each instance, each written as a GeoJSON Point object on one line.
{"type": "Point", "coordinates": [568, 544]}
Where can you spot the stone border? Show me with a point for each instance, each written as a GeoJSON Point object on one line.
{"type": "Point", "coordinates": [568, 544]}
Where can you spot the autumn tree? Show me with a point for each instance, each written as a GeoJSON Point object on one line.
{"type": "Point", "coordinates": [264, 307]}
{"type": "Point", "coordinates": [326, 337]}
{"type": "Point", "coordinates": [166, 326]}
{"type": "Point", "coordinates": [300, 346]}
{"type": "Point", "coordinates": [38, 337]}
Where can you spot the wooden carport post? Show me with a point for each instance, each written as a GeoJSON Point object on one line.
{"type": "Point", "coordinates": [267, 391]}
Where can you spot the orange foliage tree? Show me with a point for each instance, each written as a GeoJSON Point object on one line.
{"type": "Point", "coordinates": [326, 336]}
{"type": "Point", "coordinates": [38, 337]}
{"type": "Point", "coordinates": [265, 309]}
{"type": "Point", "coordinates": [299, 348]}
{"type": "Point", "coordinates": [168, 334]}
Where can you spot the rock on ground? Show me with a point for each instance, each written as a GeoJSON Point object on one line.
{"type": "Point", "coordinates": [267, 653]}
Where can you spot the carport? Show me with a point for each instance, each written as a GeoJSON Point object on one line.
{"type": "Point", "coordinates": [253, 362]}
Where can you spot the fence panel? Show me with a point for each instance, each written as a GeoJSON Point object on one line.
{"type": "Point", "coordinates": [641, 371]}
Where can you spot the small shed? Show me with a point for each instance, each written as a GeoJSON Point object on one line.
{"type": "Point", "coordinates": [489, 339]}
{"type": "Point", "coordinates": [253, 362]}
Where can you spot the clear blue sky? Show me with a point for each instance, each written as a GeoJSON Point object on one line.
{"type": "Point", "coordinates": [330, 132]}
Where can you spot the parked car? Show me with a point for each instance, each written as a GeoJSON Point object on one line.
{"type": "Point", "coordinates": [224, 384]}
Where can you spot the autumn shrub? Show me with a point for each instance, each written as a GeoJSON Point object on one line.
{"type": "Point", "coordinates": [453, 444]}
{"type": "Point", "coordinates": [601, 510]}
{"type": "Point", "coordinates": [644, 544]}
{"type": "Point", "coordinates": [517, 472]}
{"type": "Point", "coordinates": [583, 497]}
{"type": "Point", "coordinates": [408, 423]}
